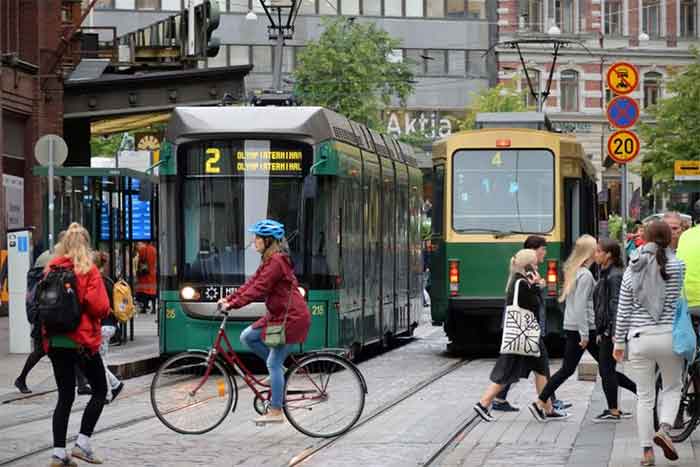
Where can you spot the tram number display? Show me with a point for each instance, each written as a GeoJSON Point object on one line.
{"type": "Point", "coordinates": [280, 162]}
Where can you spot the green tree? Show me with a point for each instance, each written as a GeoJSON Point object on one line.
{"type": "Point", "coordinates": [504, 97]}
{"type": "Point", "coordinates": [348, 70]}
{"type": "Point", "coordinates": [674, 133]}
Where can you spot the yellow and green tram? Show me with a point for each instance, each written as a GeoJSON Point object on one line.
{"type": "Point", "coordinates": [348, 196]}
{"type": "Point", "coordinates": [493, 187]}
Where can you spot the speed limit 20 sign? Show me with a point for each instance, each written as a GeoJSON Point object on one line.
{"type": "Point", "coordinates": [623, 146]}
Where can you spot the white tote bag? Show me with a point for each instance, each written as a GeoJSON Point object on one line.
{"type": "Point", "coordinates": [521, 330]}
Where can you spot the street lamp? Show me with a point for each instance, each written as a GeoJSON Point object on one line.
{"type": "Point", "coordinates": [281, 14]}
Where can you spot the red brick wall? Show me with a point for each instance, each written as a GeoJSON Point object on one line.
{"type": "Point", "coordinates": [634, 9]}
{"type": "Point", "coordinates": [671, 26]}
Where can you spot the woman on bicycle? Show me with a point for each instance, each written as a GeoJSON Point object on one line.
{"type": "Point", "coordinates": [274, 281]}
{"type": "Point", "coordinates": [650, 289]}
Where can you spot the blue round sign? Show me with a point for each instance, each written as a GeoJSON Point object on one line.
{"type": "Point", "coordinates": [623, 112]}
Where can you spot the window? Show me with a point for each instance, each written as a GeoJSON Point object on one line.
{"type": "Point", "coordinates": [532, 14]}
{"type": "Point", "coordinates": [147, 4]}
{"type": "Point", "coordinates": [262, 59]}
{"type": "Point", "coordinates": [435, 9]}
{"type": "Point", "coordinates": [613, 17]}
{"type": "Point", "coordinates": [503, 190]}
{"type": "Point", "coordinates": [414, 59]}
{"type": "Point", "coordinates": [456, 8]}
{"type": "Point", "coordinates": [125, 4]}
{"type": "Point", "coordinates": [220, 59]}
{"type": "Point", "coordinates": [530, 100]}
{"type": "Point", "coordinates": [435, 62]}
{"type": "Point", "coordinates": [564, 15]}
{"type": "Point", "coordinates": [689, 11]}
{"type": "Point", "coordinates": [372, 7]}
{"type": "Point", "coordinates": [652, 88]}
{"type": "Point", "coordinates": [328, 7]}
{"type": "Point", "coordinates": [456, 62]}
{"type": "Point", "coordinates": [239, 6]}
{"type": "Point", "coordinates": [308, 7]}
{"type": "Point", "coordinates": [651, 17]}
{"type": "Point", "coordinates": [104, 5]}
{"type": "Point", "coordinates": [239, 55]}
{"type": "Point", "coordinates": [222, 4]}
{"type": "Point", "coordinates": [414, 8]}
{"type": "Point", "coordinates": [351, 7]}
{"type": "Point", "coordinates": [392, 8]}
{"type": "Point", "coordinates": [569, 91]}
{"type": "Point", "coordinates": [477, 9]}
{"type": "Point", "coordinates": [171, 5]}
{"type": "Point", "coordinates": [476, 63]}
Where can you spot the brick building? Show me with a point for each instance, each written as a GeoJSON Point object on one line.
{"type": "Point", "coordinates": [611, 31]}
{"type": "Point", "coordinates": [31, 99]}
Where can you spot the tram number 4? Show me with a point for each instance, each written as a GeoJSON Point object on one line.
{"type": "Point", "coordinates": [210, 166]}
{"type": "Point", "coordinates": [623, 146]}
{"type": "Point", "coordinates": [317, 310]}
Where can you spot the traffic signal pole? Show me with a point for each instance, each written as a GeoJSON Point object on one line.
{"type": "Point", "coordinates": [279, 57]}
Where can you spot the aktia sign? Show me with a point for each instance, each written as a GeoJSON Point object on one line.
{"type": "Point", "coordinates": [431, 124]}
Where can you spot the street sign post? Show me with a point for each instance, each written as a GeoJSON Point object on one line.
{"type": "Point", "coordinates": [623, 112]}
{"type": "Point", "coordinates": [686, 171]}
{"type": "Point", "coordinates": [51, 151]}
{"type": "Point", "coordinates": [623, 78]}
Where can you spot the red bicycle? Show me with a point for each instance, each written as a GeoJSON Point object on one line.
{"type": "Point", "coordinates": [194, 391]}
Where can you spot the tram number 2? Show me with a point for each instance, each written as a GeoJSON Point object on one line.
{"type": "Point", "coordinates": [623, 146]}
{"type": "Point", "coordinates": [317, 310]}
{"type": "Point", "coordinates": [211, 166]}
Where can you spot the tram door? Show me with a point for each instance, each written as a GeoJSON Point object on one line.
{"type": "Point", "coordinates": [371, 247]}
{"type": "Point", "coordinates": [388, 216]}
{"type": "Point", "coordinates": [414, 236]}
{"type": "Point", "coordinates": [402, 250]}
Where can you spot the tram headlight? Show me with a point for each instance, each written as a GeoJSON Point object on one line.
{"type": "Point", "coordinates": [189, 293]}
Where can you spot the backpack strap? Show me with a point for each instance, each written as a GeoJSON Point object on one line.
{"type": "Point", "coordinates": [516, 293]}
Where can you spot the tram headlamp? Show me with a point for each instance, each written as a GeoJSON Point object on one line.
{"type": "Point", "coordinates": [189, 293]}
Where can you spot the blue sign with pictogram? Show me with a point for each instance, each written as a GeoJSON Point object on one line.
{"type": "Point", "coordinates": [623, 112]}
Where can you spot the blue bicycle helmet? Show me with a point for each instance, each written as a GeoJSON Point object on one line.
{"type": "Point", "coordinates": [268, 228]}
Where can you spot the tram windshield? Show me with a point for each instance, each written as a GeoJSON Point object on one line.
{"type": "Point", "coordinates": [228, 186]}
{"type": "Point", "coordinates": [503, 190]}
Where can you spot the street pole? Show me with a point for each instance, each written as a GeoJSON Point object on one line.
{"type": "Point", "coordinates": [190, 28]}
{"type": "Point", "coordinates": [625, 205]}
{"type": "Point", "coordinates": [51, 207]}
{"type": "Point", "coordinates": [277, 72]}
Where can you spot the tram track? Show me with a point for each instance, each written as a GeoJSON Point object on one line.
{"type": "Point", "coordinates": [453, 440]}
{"type": "Point", "coordinates": [412, 391]}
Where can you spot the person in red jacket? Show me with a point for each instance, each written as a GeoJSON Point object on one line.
{"type": "Point", "coordinates": [274, 281]}
{"type": "Point", "coordinates": [80, 347]}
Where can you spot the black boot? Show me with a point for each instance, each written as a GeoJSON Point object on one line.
{"type": "Point", "coordinates": [22, 386]}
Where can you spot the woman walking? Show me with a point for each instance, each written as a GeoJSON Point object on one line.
{"type": "Point", "coordinates": [650, 290]}
{"type": "Point", "coordinates": [608, 256]}
{"type": "Point", "coordinates": [275, 282]}
{"type": "Point", "coordinates": [510, 368]}
{"type": "Point", "coordinates": [79, 347]}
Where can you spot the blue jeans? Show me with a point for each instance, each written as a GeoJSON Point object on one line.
{"type": "Point", "coordinates": [274, 357]}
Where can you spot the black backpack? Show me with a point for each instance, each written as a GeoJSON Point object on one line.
{"type": "Point", "coordinates": [34, 276]}
{"type": "Point", "coordinates": [57, 301]}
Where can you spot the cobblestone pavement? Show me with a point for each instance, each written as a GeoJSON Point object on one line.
{"type": "Point", "coordinates": [405, 435]}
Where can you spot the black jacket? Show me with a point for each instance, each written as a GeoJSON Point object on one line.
{"type": "Point", "coordinates": [110, 320]}
{"type": "Point", "coordinates": [605, 297]}
{"type": "Point", "coordinates": [528, 295]}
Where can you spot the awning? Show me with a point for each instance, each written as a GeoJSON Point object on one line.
{"type": "Point", "coordinates": [132, 122]}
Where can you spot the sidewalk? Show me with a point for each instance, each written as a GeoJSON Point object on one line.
{"type": "Point", "coordinates": [134, 358]}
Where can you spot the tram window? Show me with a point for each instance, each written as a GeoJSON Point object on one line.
{"type": "Point", "coordinates": [503, 190]}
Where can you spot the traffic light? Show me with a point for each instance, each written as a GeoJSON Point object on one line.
{"type": "Point", "coordinates": [207, 17]}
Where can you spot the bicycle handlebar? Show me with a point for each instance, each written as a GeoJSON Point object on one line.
{"type": "Point", "coordinates": [221, 309]}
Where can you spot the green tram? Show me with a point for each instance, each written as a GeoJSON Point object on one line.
{"type": "Point", "coordinates": [349, 197]}
{"type": "Point", "coordinates": [493, 187]}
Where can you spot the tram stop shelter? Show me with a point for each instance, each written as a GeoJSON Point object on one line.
{"type": "Point", "coordinates": [117, 206]}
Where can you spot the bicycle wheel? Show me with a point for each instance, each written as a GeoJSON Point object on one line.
{"type": "Point", "coordinates": [187, 398]}
{"type": "Point", "coordinates": [324, 395]}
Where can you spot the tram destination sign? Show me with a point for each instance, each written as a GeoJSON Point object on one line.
{"type": "Point", "coordinates": [223, 161]}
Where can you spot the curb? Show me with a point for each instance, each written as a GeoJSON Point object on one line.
{"type": "Point", "coordinates": [135, 368]}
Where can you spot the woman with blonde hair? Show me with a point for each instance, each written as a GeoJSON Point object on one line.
{"type": "Point", "coordinates": [78, 347]}
{"type": "Point", "coordinates": [510, 368]}
{"type": "Point", "coordinates": [579, 319]}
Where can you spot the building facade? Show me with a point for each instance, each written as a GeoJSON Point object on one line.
{"type": "Point", "coordinates": [654, 35]}
{"type": "Point", "coordinates": [32, 65]}
{"type": "Point", "coordinates": [444, 40]}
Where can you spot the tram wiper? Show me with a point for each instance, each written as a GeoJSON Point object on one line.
{"type": "Point", "coordinates": [480, 230]}
{"type": "Point", "coordinates": [508, 233]}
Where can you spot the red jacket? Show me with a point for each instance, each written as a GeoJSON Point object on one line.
{"type": "Point", "coordinates": [273, 281]}
{"type": "Point", "coordinates": [146, 284]}
{"type": "Point", "coordinates": [94, 304]}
